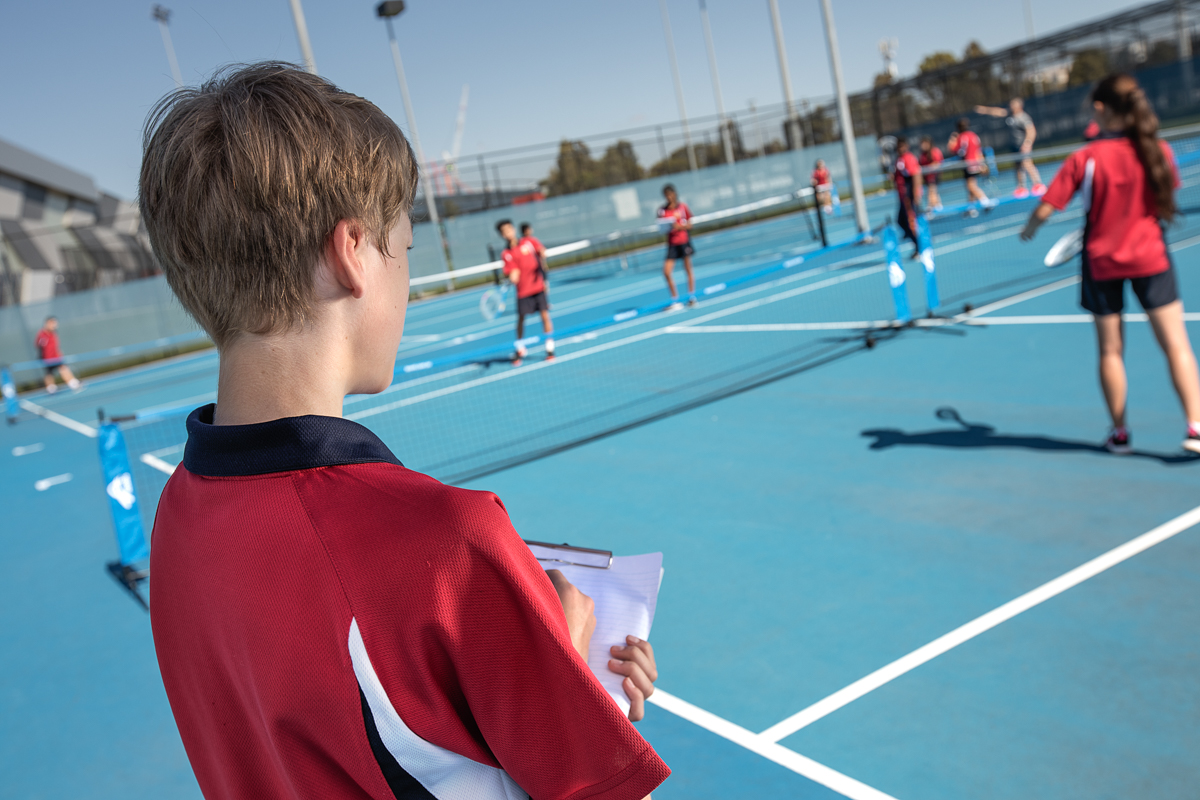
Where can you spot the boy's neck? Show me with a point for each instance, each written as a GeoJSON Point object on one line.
{"type": "Point", "coordinates": [263, 378]}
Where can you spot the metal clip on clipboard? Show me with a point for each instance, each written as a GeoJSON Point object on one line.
{"type": "Point", "coordinates": [578, 556]}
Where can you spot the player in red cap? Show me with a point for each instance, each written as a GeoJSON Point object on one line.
{"type": "Point", "coordinates": [1128, 179]}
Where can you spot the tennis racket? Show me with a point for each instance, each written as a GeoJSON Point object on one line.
{"type": "Point", "coordinates": [493, 302]}
{"type": "Point", "coordinates": [1065, 249]}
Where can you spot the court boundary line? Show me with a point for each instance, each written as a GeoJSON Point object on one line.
{"type": "Point", "coordinates": [979, 625]}
{"type": "Point", "coordinates": [54, 416]}
{"type": "Point", "coordinates": [783, 756]}
{"type": "Point", "coordinates": [870, 325]}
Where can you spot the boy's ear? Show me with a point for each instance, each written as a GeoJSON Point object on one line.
{"type": "Point", "coordinates": [344, 255]}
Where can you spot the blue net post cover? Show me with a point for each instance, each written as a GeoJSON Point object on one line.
{"type": "Point", "coordinates": [895, 273]}
{"type": "Point", "coordinates": [925, 247]}
{"type": "Point", "coordinates": [129, 571]}
{"type": "Point", "coordinates": [9, 389]}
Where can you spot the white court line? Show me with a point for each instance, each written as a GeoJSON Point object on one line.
{"type": "Point", "coordinates": [882, 324]}
{"type": "Point", "coordinates": [24, 450]}
{"type": "Point", "coordinates": [54, 416]}
{"type": "Point", "coordinates": [789, 759]}
{"type": "Point", "coordinates": [979, 625]}
{"type": "Point", "coordinates": [46, 483]}
{"type": "Point", "coordinates": [157, 463]}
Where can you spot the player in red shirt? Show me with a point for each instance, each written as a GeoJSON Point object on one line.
{"type": "Point", "coordinates": [52, 357]}
{"type": "Point", "coordinates": [328, 623]}
{"type": "Point", "coordinates": [524, 264]}
{"type": "Point", "coordinates": [1127, 179]}
{"type": "Point", "coordinates": [930, 159]}
{"type": "Point", "coordinates": [965, 144]}
{"type": "Point", "coordinates": [907, 178]}
{"type": "Point", "coordinates": [679, 245]}
{"type": "Point", "coordinates": [822, 183]}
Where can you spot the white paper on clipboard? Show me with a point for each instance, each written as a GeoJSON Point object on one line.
{"type": "Point", "coordinates": [625, 594]}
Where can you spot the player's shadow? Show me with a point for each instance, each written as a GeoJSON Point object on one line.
{"type": "Point", "coordinates": [974, 434]}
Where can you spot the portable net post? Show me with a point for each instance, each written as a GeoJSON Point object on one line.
{"type": "Point", "coordinates": [131, 570]}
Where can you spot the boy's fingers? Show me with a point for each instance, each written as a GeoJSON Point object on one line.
{"type": "Point", "coordinates": [637, 700]}
{"type": "Point", "coordinates": [633, 672]}
{"type": "Point", "coordinates": [643, 656]}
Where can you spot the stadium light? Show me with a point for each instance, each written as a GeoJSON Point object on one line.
{"type": "Point", "coordinates": [387, 10]}
{"type": "Point", "coordinates": [716, 79]}
{"type": "Point", "coordinates": [310, 63]}
{"type": "Point", "coordinates": [845, 122]}
{"type": "Point", "coordinates": [795, 140]}
{"type": "Point", "coordinates": [687, 134]}
{"type": "Point", "coordinates": [162, 16]}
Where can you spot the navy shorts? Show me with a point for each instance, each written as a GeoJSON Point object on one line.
{"type": "Point", "coordinates": [1108, 297]}
{"type": "Point", "coordinates": [52, 364]}
{"type": "Point", "coordinates": [533, 304]}
{"type": "Point", "coordinates": [677, 251]}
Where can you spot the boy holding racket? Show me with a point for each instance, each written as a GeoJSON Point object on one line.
{"type": "Point", "coordinates": [523, 266]}
{"type": "Point", "coordinates": [1130, 177]}
{"type": "Point", "coordinates": [328, 623]}
{"type": "Point", "coordinates": [679, 245]}
{"type": "Point", "coordinates": [965, 144]}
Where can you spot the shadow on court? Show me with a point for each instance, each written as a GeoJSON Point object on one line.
{"type": "Point", "coordinates": [974, 434]}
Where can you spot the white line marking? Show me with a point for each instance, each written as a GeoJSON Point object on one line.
{"type": "Point", "coordinates": [1019, 298]}
{"type": "Point", "coordinates": [24, 450]}
{"type": "Point", "coordinates": [882, 324]}
{"type": "Point", "coordinates": [755, 743]}
{"type": "Point", "coordinates": [46, 483]}
{"type": "Point", "coordinates": [979, 625]}
{"type": "Point", "coordinates": [157, 463]}
{"type": "Point", "coordinates": [54, 416]}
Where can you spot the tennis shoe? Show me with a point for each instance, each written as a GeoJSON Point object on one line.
{"type": "Point", "coordinates": [1021, 193]}
{"type": "Point", "coordinates": [51, 389]}
{"type": "Point", "coordinates": [693, 302]}
{"type": "Point", "coordinates": [1191, 442]}
{"type": "Point", "coordinates": [1118, 442]}
{"type": "Point", "coordinates": [1039, 189]}
{"type": "Point", "coordinates": [971, 213]}
{"type": "Point", "coordinates": [676, 306]}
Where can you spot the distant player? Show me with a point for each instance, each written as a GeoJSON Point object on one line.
{"type": "Point", "coordinates": [523, 266]}
{"type": "Point", "coordinates": [1023, 135]}
{"type": "Point", "coordinates": [930, 159]}
{"type": "Point", "coordinates": [1130, 178]}
{"type": "Point", "coordinates": [965, 144]}
{"type": "Point", "coordinates": [907, 178]}
{"type": "Point", "coordinates": [679, 245]}
{"type": "Point", "coordinates": [528, 237]}
{"type": "Point", "coordinates": [822, 183]}
{"type": "Point", "coordinates": [52, 357]}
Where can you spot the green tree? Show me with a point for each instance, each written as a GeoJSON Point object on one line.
{"type": "Point", "coordinates": [574, 171]}
{"type": "Point", "coordinates": [973, 50]}
{"type": "Point", "coordinates": [1087, 66]}
{"type": "Point", "coordinates": [935, 61]}
{"type": "Point", "coordinates": [620, 164]}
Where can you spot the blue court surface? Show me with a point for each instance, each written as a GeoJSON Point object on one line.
{"type": "Point", "coordinates": [906, 570]}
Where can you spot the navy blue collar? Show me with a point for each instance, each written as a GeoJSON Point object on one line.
{"type": "Point", "coordinates": [281, 445]}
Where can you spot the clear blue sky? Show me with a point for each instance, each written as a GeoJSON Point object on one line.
{"type": "Point", "coordinates": [81, 76]}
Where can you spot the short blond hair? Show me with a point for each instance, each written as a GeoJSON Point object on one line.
{"type": "Point", "coordinates": [244, 179]}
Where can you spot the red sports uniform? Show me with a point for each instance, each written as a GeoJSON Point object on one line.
{"type": "Point", "coordinates": [904, 176]}
{"type": "Point", "coordinates": [820, 177]}
{"type": "Point", "coordinates": [679, 213]}
{"type": "Point", "coordinates": [524, 257]}
{"type": "Point", "coordinates": [47, 345]}
{"type": "Point", "coordinates": [931, 159]}
{"type": "Point", "coordinates": [1123, 237]}
{"type": "Point", "coordinates": [970, 149]}
{"type": "Point", "coordinates": [329, 624]}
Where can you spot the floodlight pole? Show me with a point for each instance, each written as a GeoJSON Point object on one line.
{"type": "Point", "coordinates": [845, 122]}
{"type": "Point", "coordinates": [1029, 20]}
{"type": "Point", "coordinates": [716, 80]}
{"type": "Point", "coordinates": [422, 172]}
{"type": "Point", "coordinates": [687, 134]}
{"type": "Point", "coordinates": [784, 75]}
{"type": "Point", "coordinates": [310, 63]}
{"type": "Point", "coordinates": [162, 15]}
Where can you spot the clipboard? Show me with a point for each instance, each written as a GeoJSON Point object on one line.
{"type": "Point", "coordinates": [575, 556]}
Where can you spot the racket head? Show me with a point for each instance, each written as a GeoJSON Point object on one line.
{"type": "Point", "coordinates": [1064, 249]}
{"type": "Point", "coordinates": [491, 303]}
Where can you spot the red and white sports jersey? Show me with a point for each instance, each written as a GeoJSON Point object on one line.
{"type": "Point", "coordinates": [47, 345]}
{"type": "Point", "coordinates": [1123, 237]}
{"type": "Point", "coordinates": [930, 159]}
{"type": "Point", "coordinates": [969, 148]}
{"type": "Point", "coordinates": [680, 213]}
{"type": "Point", "coordinates": [820, 177]}
{"type": "Point", "coordinates": [524, 257]}
{"type": "Point", "coordinates": [329, 624]}
{"type": "Point", "coordinates": [907, 166]}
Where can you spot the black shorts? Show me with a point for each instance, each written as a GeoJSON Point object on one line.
{"type": "Point", "coordinates": [1108, 297]}
{"type": "Point", "coordinates": [931, 179]}
{"type": "Point", "coordinates": [974, 171]}
{"type": "Point", "coordinates": [533, 304]}
{"type": "Point", "coordinates": [52, 365]}
{"type": "Point", "coordinates": [677, 251]}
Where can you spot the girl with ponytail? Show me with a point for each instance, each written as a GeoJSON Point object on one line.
{"type": "Point", "coordinates": [1127, 179]}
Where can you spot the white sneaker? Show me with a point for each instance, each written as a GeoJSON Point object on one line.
{"type": "Point", "coordinates": [676, 306]}
{"type": "Point", "coordinates": [75, 384]}
{"type": "Point", "coordinates": [51, 389]}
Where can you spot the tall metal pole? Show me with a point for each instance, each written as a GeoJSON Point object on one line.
{"type": "Point", "coordinates": [163, 16]}
{"type": "Point", "coordinates": [426, 191]}
{"type": "Point", "coordinates": [1029, 20]}
{"type": "Point", "coordinates": [687, 134]}
{"type": "Point", "coordinates": [310, 63]}
{"type": "Point", "coordinates": [844, 120]}
{"type": "Point", "coordinates": [785, 76]}
{"type": "Point", "coordinates": [716, 80]}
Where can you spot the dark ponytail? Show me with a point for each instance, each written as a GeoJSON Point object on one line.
{"type": "Point", "coordinates": [1125, 99]}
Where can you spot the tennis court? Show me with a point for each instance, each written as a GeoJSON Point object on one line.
{"type": "Point", "coordinates": [872, 553]}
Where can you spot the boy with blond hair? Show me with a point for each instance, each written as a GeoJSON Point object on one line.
{"type": "Point", "coordinates": [329, 624]}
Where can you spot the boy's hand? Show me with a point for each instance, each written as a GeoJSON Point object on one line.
{"type": "Point", "coordinates": [1039, 216]}
{"type": "Point", "coordinates": [579, 608]}
{"type": "Point", "coordinates": [636, 663]}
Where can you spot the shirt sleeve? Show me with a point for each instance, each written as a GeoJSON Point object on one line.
{"type": "Point", "coordinates": [509, 261]}
{"type": "Point", "coordinates": [545, 717]}
{"type": "Point", "coordinates": [1066, 182]}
